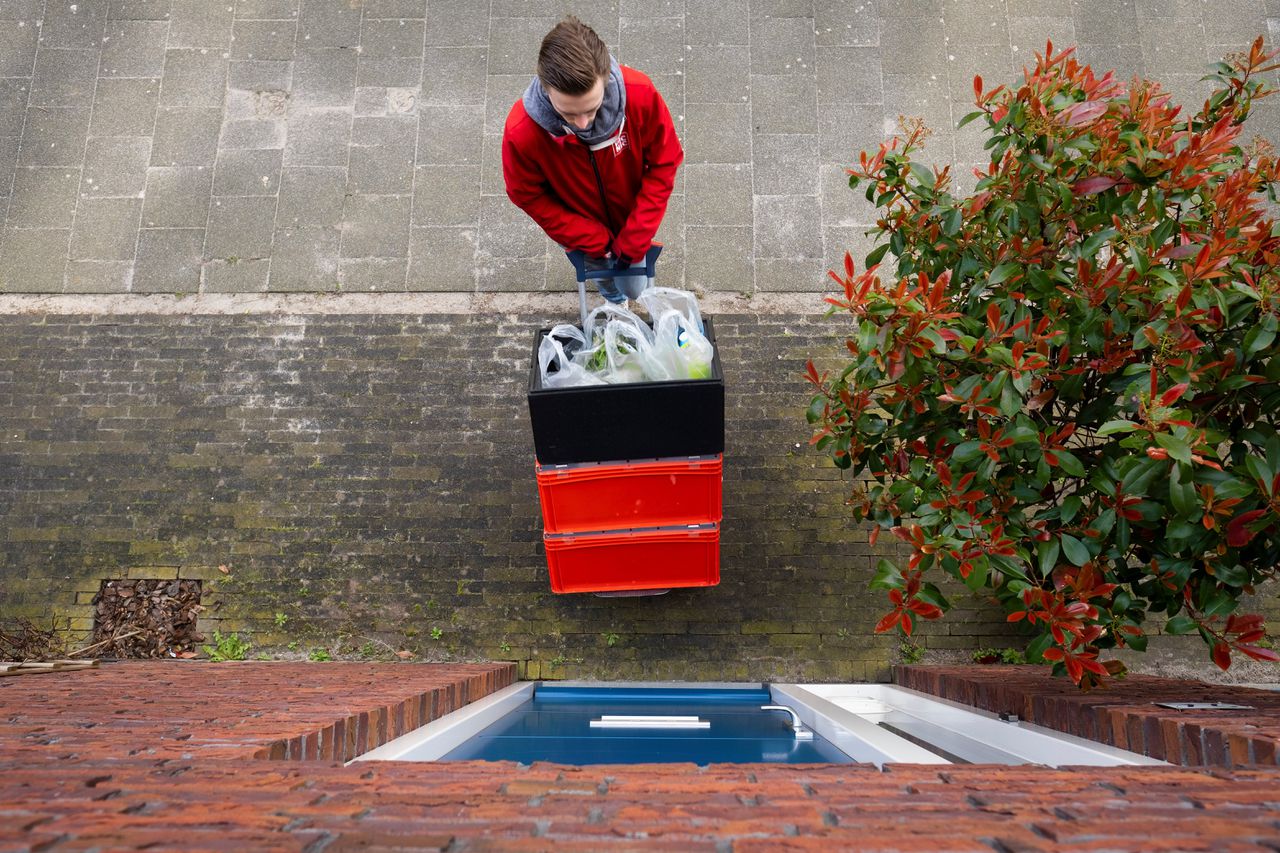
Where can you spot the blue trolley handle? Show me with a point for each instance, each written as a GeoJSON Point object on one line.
{"type": "Point", "coordinates": [578, 258]}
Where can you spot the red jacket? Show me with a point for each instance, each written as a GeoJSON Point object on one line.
{"type": "Point", "coordinates": [552, 179]}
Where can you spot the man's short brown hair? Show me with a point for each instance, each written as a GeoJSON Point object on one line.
{"type": "Point", "coordinates": [572, 58]}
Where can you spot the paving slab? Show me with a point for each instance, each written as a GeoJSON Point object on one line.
{"type": "Point", "coordinates": [330, 108]}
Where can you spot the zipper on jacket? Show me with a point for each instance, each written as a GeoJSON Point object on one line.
{"type": "Point", "coordinates": [591, 155]}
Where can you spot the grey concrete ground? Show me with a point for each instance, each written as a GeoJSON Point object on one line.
{"type": "Point", "coordinates": [244, 146]}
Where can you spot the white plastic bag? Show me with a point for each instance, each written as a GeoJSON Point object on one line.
{"type": "Point", "coordinates": [607, 313]}
{"type": "Point", "coordinates": [556, 369]}
{"type": "Point", "coordinates": [629, 355]}
{"type": "Point", "coordinates": [659, 300]}
{"type": "Point", "coordinates": [683, 351]}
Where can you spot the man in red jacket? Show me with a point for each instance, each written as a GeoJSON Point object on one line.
{"type": "Point", "coordinates": [590, 152]}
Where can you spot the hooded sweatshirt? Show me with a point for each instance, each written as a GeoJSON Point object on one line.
{"type": "Point", "coordinates": [601, 190]}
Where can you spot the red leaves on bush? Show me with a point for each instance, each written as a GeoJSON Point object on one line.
{"type": "Point", "coordinates": [1077, 664]}
{"type": "Point", "coordinates": [1095, 184]}
{"type": "Point", "coordinates": [1081, 114]}
{"type": "Point", "coordinates": [905, 604]}
{"type": "Point", "coordinates": [1239, 533]}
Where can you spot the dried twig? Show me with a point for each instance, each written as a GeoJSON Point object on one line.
{"type": "Point", "coordinates": [78, 652]}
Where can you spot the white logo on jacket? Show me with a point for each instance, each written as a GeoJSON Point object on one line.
{"type": "Point", "coordinates": [620, 143]}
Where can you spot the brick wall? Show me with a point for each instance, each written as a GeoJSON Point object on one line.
{"type": "Point", "coordinates": [179, 710]}
{"type": "Point", "coordinates": [1122, 713]}
{"type": "Point", "coordinates": [369, 480]}
{"type": "Point", "coordinates": [155, 754]}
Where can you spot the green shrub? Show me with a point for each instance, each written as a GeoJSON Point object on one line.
{"type": "Point", "coordinates": [1064, 387]}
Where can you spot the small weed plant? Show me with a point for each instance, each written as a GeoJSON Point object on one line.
{"type": "Point", "coordinates": [226, 647]}
{"type": "Point", "coordinates": [909, 652]}
{"type": "Point", "coordinates": [989, 655]}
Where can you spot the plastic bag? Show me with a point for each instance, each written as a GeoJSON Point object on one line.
{"type": "Point", "coordinates": [683, 351]}
{"type": "Point", "coordinates": [629, 356]}
{"type": "Point", "coordinates": [556, 369]}
{"type": "Point", "coordinates": [609, 313]}
{"type": "Point", "coordinates": [659, 300]}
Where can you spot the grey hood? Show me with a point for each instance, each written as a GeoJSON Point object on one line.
{"type": "Point", "coordinates": [608, 120]}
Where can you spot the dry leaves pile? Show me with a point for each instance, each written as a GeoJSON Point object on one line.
{"type": "Point", "coordinates": [162, 612]}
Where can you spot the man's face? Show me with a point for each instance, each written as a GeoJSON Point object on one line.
{"type": "Point", "coordinates": [578, 110]}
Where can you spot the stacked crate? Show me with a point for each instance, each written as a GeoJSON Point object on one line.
{"type": "Point", "coordinates": [630, 480]}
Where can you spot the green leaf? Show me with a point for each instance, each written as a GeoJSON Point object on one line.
{"type": "Point", "coordinates": [1180, 624]}
{"type": "Point", "coordinates": [1069, 509]}
{"type": "Point", "coordinates": [876, 254]}
{"type": "Point", "coordinates": [1000, 273]}
{"type": "Point", "coordinates": [936, 340]}
{"type": "Point", "coordinates": [1047, 552]}
{"type": "Point", "coordinates": [930, 594]}
{"type": "Point", "coordinates": [1074, 550]}
{"type": "Point", "coordinates": [1220, 604]}
{"type": "Point", "coordinates": [1069, 463]}
{"type": "Point", "coordinates": [970, 117]}
{"type": "Point", "coordinates": [1037, 647]}
{"type": "Point", "coordinates": [1123, 534]}
{"type": "Point", "coordinates": [1236, 576]}
{"type": "Point", "coordinates": [978, 577]}
{"type": "Point", "coordinates": [1113, 427]}
{"type": "Point", "coordinates": [1009, 566]}
{"type": "Point", "coordinates": [887, 576]}
{"type": "Point", "coordinates": [1139, 477]}
{"type": "Point", "coordinates": [922, 174]}
{"type": "Point", "coordinates": [966, 451]}
{"type": "Point", "coordinates": [1260, 470]}
{"type": "Point", "coordinates": [1096, 242]}
{"type": "Point", "coordinates": [952, 221]}
{"type": "Point", "coordinates": [1257, 340]}
{"type": "Point", "coordinates": [1176, 447]}
{"type": "Point", "coordinates": [1182, 493]}
{"type": "Point", "coordinates": [1010, 401]}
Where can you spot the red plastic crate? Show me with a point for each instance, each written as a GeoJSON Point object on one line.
{"type": "Point", "coordinates": [621, 495]}
{"type": "Point", "coordinates": [661, 558]}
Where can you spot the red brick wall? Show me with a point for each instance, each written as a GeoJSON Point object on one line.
{"type": "Point", "coordinates": [1123, 713]}
{"type": "Point", "coordinates": [245, 805]}
{"type": "Point", "coordinates": [175, 709]}
{"type": "Point", "coordinates": [161, 754]}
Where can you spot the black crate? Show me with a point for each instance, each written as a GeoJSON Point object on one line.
{"type": "Point", "coordinates": [637, 420]}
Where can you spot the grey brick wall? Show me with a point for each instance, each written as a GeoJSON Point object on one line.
{"type": "Point", "coordinates": [370, 478]}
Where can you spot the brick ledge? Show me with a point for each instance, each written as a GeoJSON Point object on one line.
{"type": "Point", "coordinates": [1122, 714]}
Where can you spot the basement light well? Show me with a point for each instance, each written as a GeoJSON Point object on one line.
{"type": "Point", "coordinates": [633, 723]}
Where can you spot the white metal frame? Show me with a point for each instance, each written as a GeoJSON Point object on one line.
{"type": "Point", "coordinates": [855, 707]}
{"type": "Point", "coordinates": [439, 737]}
